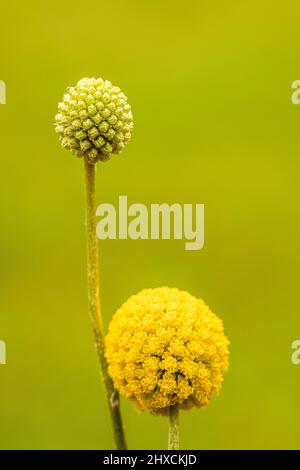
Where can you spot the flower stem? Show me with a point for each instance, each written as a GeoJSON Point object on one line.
{"type": "Point", "coordinates": [94, 304]}
{"type": "Point", "coordinates": [173, 428]}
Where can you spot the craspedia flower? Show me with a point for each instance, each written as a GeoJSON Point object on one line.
{"type": "Point", "coordinates": [165, 347]}
{"type": "Point", "coordinates": [94, 120]}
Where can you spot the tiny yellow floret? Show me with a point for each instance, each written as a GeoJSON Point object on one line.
{"type": "Point", "coordinates": [165, 347]}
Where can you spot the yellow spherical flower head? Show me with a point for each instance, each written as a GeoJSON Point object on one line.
{"type": "Point", "coordinates": [165, 347]}
{"type": "Point", "coordinates": [94, 120]}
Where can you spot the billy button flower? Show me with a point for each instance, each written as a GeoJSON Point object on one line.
{"type": "Point", "coordinates": [166, 350]}
{"type": "Point", "coordinates": [94, 121]}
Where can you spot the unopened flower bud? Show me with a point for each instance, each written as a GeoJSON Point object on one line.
{"type": "Point", "coordinates": [94, 120]}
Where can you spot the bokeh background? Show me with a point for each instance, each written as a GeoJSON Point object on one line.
{"type": "Point", "coordinates": [210, 88]}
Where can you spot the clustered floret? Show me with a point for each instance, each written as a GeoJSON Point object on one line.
{"type": "Point", "coordinates": [94, 120]}
{"type": "Point", "coordinates": [165, 347]}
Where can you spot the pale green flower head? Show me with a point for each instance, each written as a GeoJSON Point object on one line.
{"type": "Point", "coordinates": [94, 120]}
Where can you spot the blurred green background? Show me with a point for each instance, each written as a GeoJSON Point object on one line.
{"type": "Point", "coordinates": [210, 88]}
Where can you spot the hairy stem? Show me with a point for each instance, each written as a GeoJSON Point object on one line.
{"type": "Point", "coordinates": [173, 443]}
{"type": "Point", "coordinates": [94, 304]}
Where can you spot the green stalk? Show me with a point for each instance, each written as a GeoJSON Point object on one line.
{"type": "Point", "coordinates": [112, 395]}
{"type": "Point", "coordinates": [173, 443]}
